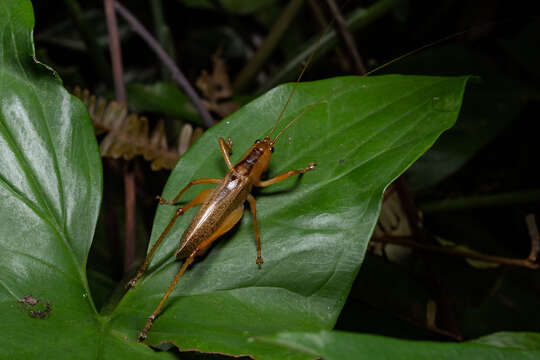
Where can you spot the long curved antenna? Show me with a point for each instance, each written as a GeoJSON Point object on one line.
{"type": "Point", "coordinates": [352, 82]}
{"type": "Point", "coordinates": [308, 61]}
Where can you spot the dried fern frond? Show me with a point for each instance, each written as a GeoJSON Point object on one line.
{"type": "Point", "coordinates": [216, 87]}
{"type": "Point", "coordinates": [128, 135]}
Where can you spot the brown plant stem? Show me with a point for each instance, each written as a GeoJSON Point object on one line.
{"type": "Point", "coordinates": [358, 19]}
{"type": "Point", "coordinates": [410, 242]}
{"type": "Point", "coordinates": [116, 54]}
{"type": "Point", "coordinates": [131, 215]}
{"type": "Point", "coordinates": [535, 237]}
{"type": "Point", "coordinates": [347, 38]}
{"type": "Point", "coordinates": [129, 177]}
{"type": "Point", "coordinates": [176, 73]}
{"type": "Point", "coordinates": [323, 24]}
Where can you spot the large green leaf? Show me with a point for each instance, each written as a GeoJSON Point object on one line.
{"type": "Point", "coordinates": [50, 192]}
{"type": "Point", "coordinates": [314, 230]}
{"type": "Point", "coordinates": [337, 345]}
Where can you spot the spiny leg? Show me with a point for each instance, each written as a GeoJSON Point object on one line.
{"type": "Point", "coordinates": [253, 208]}
{"type": "Point", "coordinates": [285, 175]}
{"type": "Point", "coordinates": [226, 150]}
{"type": "Point", "coordinates": [227, 224]}
{"type": "Point", "coordinates": [199, 199]}
{"type": "Point", "coordinates": [162, 201]}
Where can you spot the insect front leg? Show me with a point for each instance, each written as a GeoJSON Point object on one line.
{"type": "Point", "coordinates": [285, 175]}
{"type": "Point", "coordinates": [226, 150]}
{"type": "Point", "coordinates": [199, 199]}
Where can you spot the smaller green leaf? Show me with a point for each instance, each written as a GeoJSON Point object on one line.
{"type": "Point", "coordinates": [164, 98]}
{"type": "Point", "coordinates": [338, 345]}
{"type": "Point", "coordinates": [515, 340]}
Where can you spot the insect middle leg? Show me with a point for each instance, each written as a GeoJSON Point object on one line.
{"type": "Point", "coordinates": [252, 206]}
{"type": "Point", "coordinates": [227, 224]}
{"type": "Point", "coordinates": [162, 201]}
{"type": "Point", "coordinates": [199, 199]}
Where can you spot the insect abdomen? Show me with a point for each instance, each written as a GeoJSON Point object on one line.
{"type": "Point", "coordinates": [228, 196]}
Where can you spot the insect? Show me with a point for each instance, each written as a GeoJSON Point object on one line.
{"type": "Point", "coordinates": [221, 207]}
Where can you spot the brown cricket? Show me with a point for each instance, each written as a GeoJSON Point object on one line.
{"type": "Point", "coordinates": [221, 207]}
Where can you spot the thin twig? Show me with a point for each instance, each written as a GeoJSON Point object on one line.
{"type": "Point", "coordinates": [410, 242]}
{"type": "Point", "coordinates": [131, 214]}
{"type": "Point", "coordinates": [323, 24]}
{"type": "Point", "coordinates": [176, 73]}
{"type": "Point", "coordinates": [347, 38]}
{"type": "Point", "coordinates": [129, 178]}
{"type": "Point", "coordinates": [535, 237]}
{"type": "Point", "coordinates": [356, 20]}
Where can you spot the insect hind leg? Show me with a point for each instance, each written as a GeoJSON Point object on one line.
{"type": "Point", "coordinates": [199, 199]}
{"type": "Point", "coordinates": [227, 224]}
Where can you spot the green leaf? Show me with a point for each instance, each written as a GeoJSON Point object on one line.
{"type": "Point", "coordinates": [164, 98]}
{"type": "Point", "coordinates": [314, 229]}
{"type": "Point", "coordinates": [337, 345]}
{"type": "Point", "coordinates": [50, 192]}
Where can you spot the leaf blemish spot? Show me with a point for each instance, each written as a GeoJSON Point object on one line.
{"type": "Point", "coordinates": [34, 310]}
{"type": "Point", "coordinates": [28, 300]}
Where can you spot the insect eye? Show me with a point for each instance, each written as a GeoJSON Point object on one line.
{"type": "Point", "coordinates": [272, 149]}
{"type": "Point", "coordinates": [257, 141]}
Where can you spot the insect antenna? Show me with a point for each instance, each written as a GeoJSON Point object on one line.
{"type": "Point", "coordinates": [355, 80]}
{"type": "Point", "coordinates": [304, 68]}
